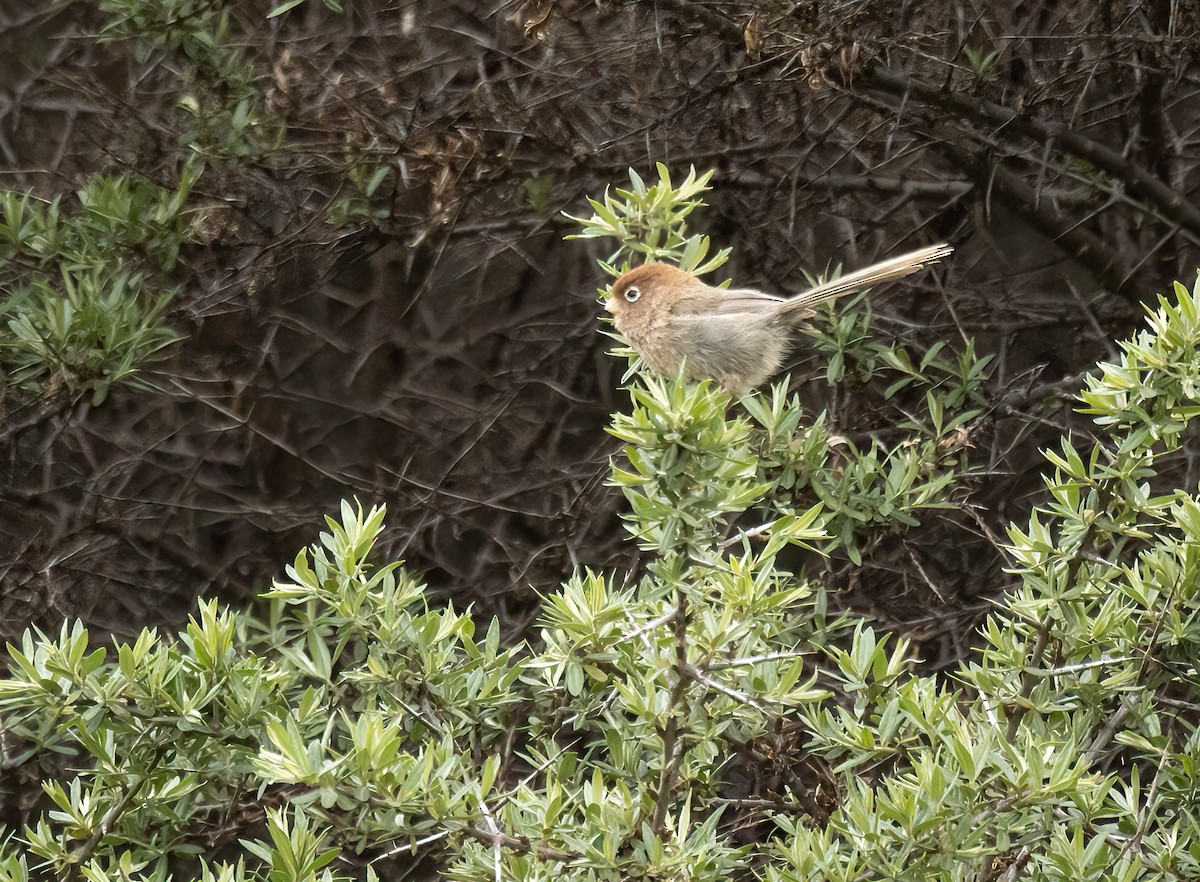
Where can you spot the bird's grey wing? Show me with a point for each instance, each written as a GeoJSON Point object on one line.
{"type": "Point", "coordinates": [721, 302]}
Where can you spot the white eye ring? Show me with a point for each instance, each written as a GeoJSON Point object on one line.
{"type": "Point", "coordinates": [632, 293]}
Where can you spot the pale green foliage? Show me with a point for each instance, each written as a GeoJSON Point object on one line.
{"type": "Point", "coordinates": [1095, 656]}
{"type": "Point", "coordinates": [120, 216]}
{"type": "Point", "coordinates": [289, 5]}
{"type": "Point", "coordinates": [95, 333]}
{"type": "Point", "coordinates": [652, 221]}
{"type": "Point", "coordinates": [83, 293]}
{"type": "Point", "coordinates": [981, 62]}
{"type": "Point", "coordinates": [389, 722]}
{"type": "Point", "coordinates": [690, 465]}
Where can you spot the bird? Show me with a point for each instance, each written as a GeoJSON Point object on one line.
{"type": "Point", "coordinates": [738, 337]}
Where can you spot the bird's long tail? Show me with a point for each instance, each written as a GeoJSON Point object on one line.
{"type": "Point", "coordinates": [801, 305]}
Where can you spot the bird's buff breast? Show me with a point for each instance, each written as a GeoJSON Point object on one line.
{"type": "Point", "coordinates": [651, 345]}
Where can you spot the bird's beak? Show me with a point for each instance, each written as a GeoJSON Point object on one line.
{"type": "Point", "coordinates": [608, 305]}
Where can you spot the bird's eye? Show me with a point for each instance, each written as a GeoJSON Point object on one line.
{"type": "Point", "coordinates": [632, 294]}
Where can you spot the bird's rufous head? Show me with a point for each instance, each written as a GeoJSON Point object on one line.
{"type": "Point", "coordinates": [645, 294]}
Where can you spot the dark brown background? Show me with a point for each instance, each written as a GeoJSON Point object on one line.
{"type": "Point", "coordinates": [446, 360]}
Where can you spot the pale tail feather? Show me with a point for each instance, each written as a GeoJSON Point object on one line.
{"type": "Point", "coordinates": [884, 271]}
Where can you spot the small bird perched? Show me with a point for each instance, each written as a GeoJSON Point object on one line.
{"type": "Point", "coordinates": [737, 337]}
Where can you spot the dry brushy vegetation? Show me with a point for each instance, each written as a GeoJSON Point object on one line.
{"type": "Point", "coordinates": [436, 347]}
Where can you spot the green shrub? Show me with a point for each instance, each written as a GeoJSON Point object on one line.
{"type": "Point", "coordinates": [83, 293]}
